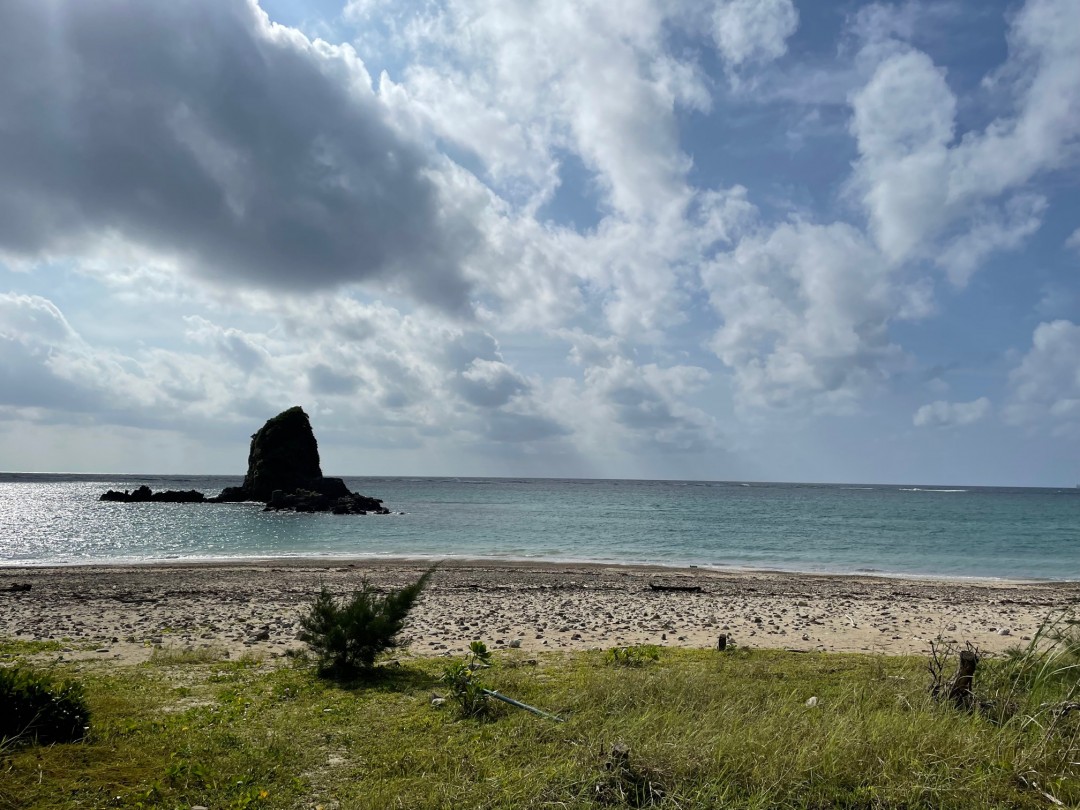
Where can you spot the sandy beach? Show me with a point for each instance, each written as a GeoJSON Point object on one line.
{"type": "Point", "coordinates": [124, 613]}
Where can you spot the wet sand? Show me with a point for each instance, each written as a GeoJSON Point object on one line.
{"type": "Point", "coordinates": [124, 613]}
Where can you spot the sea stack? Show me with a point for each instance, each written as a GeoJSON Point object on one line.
{"type": "Point", "coordinates": [284, 473]}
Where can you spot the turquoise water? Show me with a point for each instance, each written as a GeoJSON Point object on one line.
{"type": "Point", "coordinates": [951, 531]}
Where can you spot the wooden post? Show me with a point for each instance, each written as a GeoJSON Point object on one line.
{"type": "Point", "coordinates": [721, 643]}
{"type": "Point", "coordinates": [961, 692]}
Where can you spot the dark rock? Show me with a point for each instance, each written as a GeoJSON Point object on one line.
{"type": "Point", "coordinates": [284, 473]}
{"type": "Point", "coordinates": [284, 455]}
{"type": "Point", "coordinates": [146, 495]}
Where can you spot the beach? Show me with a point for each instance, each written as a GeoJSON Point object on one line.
{"type": "Point", "coordinates": [124, 613]}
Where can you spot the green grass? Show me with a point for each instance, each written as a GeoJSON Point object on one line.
{"type": "Point", "coordinates": [703, 729]}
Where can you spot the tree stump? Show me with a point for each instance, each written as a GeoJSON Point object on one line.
{"type": "Point", "coordinates": [961, 691]}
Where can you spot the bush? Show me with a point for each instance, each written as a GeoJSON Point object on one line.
{"type": "Point", "coordinates": [37, 708]}
{"type": "Point", "coordinates": [466, 689]}
{"type": "Point", "coordinates": [348, 638]}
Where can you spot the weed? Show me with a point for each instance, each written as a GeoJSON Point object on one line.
{"type": "Point", "coordinates": [466, 689]}
{"type": "Point", "coordinates": [632, 656]}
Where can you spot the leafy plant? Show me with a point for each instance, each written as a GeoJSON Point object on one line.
{"type": "Point", "coordinates": [38, 708]}
{"type": "Point", "coordinates": [348, 638]}
{"type": "Point", "coordinates": [632, 656]}
{"type": "Point", "coordinates": [466, 689]}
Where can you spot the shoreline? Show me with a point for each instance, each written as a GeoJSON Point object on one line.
{"type": "Point", "coordinates": [124, 613]}
{"type": "Point", "coordinates": [534, 562]}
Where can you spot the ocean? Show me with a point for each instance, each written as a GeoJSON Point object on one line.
{"type": "Point", "coordinates": [1008, 533]}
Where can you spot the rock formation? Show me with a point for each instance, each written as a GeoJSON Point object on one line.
{"type": "Point", "coordinates": [283, 472]}
{"type": "Point", "coordinates": [146, 495]}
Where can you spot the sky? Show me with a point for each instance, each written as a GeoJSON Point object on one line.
{"type": "Point", "coordinates": [682, 239]}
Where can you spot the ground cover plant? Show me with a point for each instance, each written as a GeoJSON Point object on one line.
{"type": "Point", "coordinates": [690, 729]}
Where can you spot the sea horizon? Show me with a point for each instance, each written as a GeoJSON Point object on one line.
{"type": "Point", "coordinates": [925, 531]}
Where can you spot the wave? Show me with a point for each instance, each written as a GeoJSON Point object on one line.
{"type": "Point", "coordinates": [920, 489]}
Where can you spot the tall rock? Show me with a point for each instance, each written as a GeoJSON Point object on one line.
{"type": "Point", "coordinates": [284, 460]}
{"type": "Point", "coordinates": [284, 455]}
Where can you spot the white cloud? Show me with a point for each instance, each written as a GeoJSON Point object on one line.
{"type": "Point", "coordinates": [805, 312]}
{"type": "Point", "coordinates": [1073, 240]}
{"type": "Point", "coordinates": [920, 180]}
{"type": "Point", "coordinates": [903, 122]}
{"type": "Point", "coordinates": [753, 30]}
{"type": "Point", "coordinates": [952, 414]}
{"type": "Point", "coordinates": [1045, 385]}
{"type": "Point", "coordinates": [998, 229]}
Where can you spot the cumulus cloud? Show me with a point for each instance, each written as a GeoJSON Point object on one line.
{"type": "Point", "coordinates": [753, 30]}
{"type": "Point", "coordinates": [805, 311]}
{"type": "Point", "coordinates": [205, 133]}
{"type": "Point", "coordinates": [920, 179]}
{"type": "Point", "coordinates": [1045, 385]}
{"type": "Point", "coordinates": [952, 414]}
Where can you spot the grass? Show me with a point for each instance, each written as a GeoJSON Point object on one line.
{"type": "Point", "coordinates": [690, 729]}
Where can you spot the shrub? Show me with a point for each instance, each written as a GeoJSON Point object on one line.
{"type": "Point", "coordinates": [348, 638]}
{"type": "Point", "coordinates": [37, 708]}
{"type": "Point", "coordinates": [466, 689]}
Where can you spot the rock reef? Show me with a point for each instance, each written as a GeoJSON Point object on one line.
{"type": "Point", "coordinates": [283, 473]}
{"type": "Point", "coordinates": [146, 495]}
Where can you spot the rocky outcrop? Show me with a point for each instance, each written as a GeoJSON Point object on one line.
{"type": "Point", "coordinates": [284, 472]}
{"type": "Point", "coordinates": [307, 501]}
{"type": "Point", "coordinates": [146, 495]}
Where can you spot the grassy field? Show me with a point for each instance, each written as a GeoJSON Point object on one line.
{"type": "Point", "coordinates": [689, 729]}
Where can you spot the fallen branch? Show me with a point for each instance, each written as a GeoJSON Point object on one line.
{"type": "Point", "coordinates": [680, 588]}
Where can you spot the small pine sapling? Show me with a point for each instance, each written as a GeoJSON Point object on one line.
{"type": "Point", "coordinates": [348, 638]}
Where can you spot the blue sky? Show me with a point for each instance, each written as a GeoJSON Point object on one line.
{"type": "Point", "coordinates": [726, 239]}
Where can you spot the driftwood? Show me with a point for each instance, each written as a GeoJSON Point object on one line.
{"type": "Point", "coordinates": [679, 588]}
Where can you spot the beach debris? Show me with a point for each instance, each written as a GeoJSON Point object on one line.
{"type": "Point", "coordinates": [519, 705]}
{"type": "Point", "coordinates": [16, 587]}
{"type": "Point", "coordinates": [654, 586]}
{"type": "Point", "coordinates": [811, 702]}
